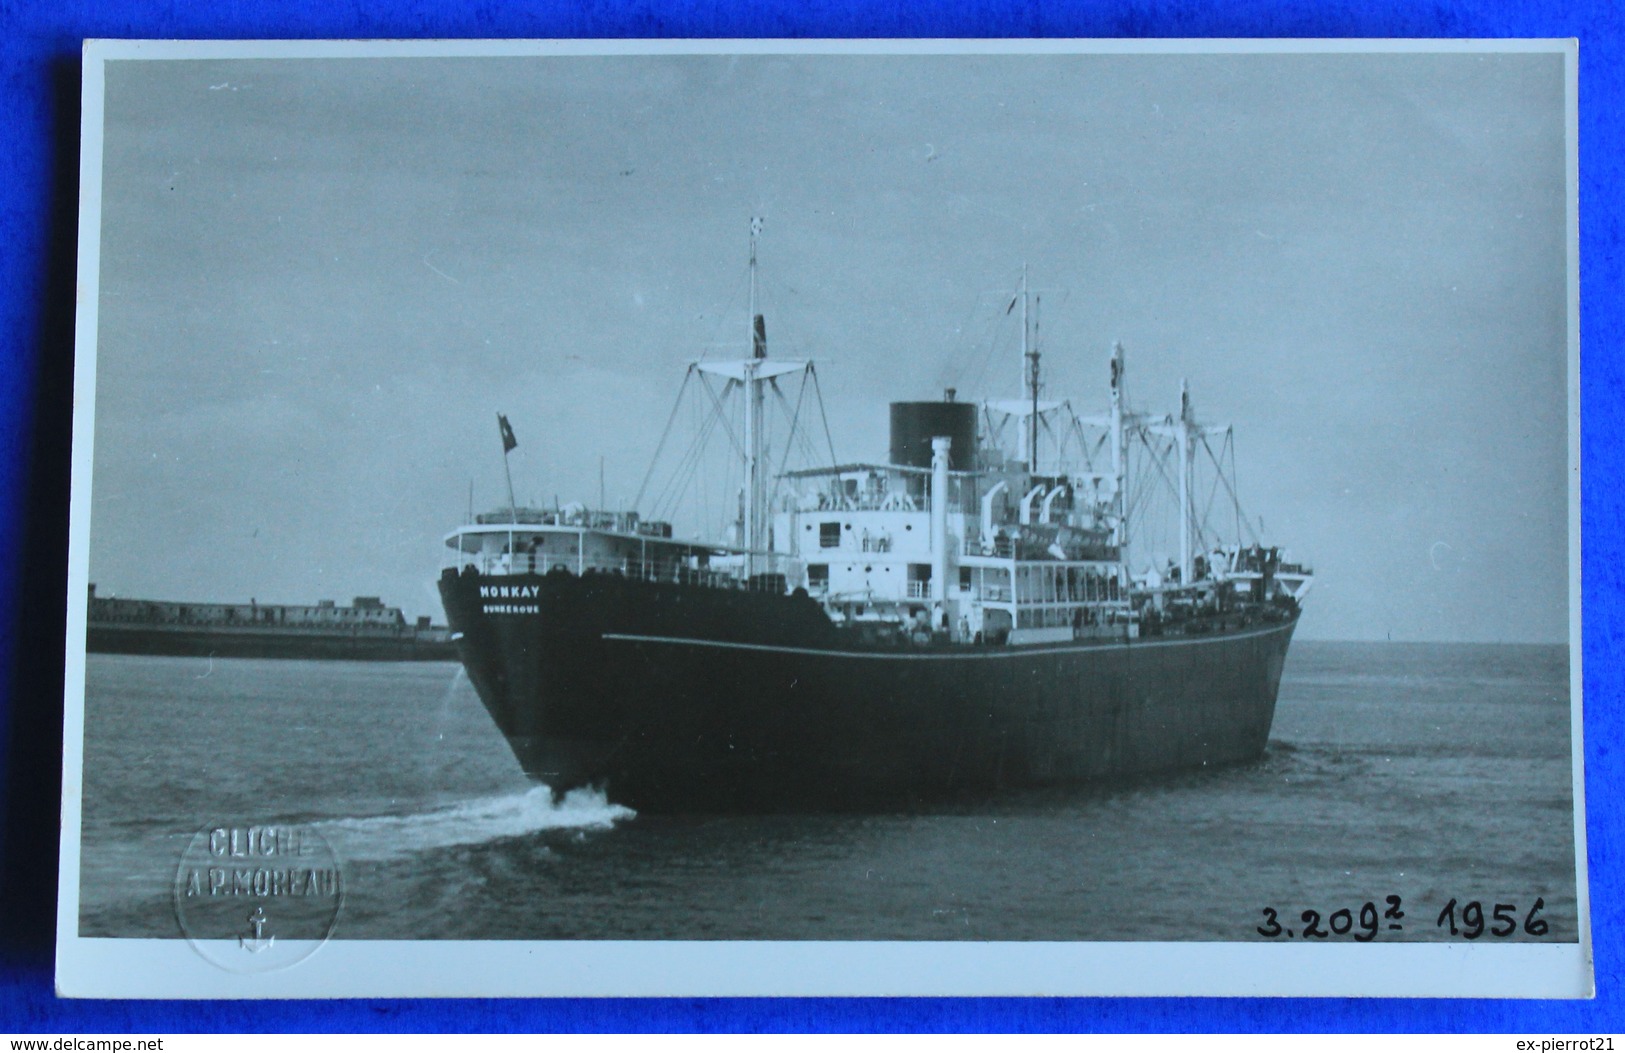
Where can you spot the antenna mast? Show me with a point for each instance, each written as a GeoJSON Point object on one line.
{"type": "Point", "coordinates": [754, 498]}
{"type": "Point", "coordinates": [1120, 458]}
{"type": "Point", "coordinates": [1029, 380]}
{"type": "Point", "coordinates": [1032, 382]}
{"type": "Point", "coordinates": [1186, 510]}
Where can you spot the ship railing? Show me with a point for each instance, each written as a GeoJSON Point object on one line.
{"type": "Point", "coordinates": [591, 518]}
{"type": "Point", "coordinates": [671, 571]}
{"type": "Point", "coordinates": [1002, 546]}
{"type": "Point", "coordinates": [862, 501]}
{"type": "Point", "coordinates": [1006, 546]}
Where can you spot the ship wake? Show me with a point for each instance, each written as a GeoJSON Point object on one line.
{"type": "Point", "coordinates": [474, 822]}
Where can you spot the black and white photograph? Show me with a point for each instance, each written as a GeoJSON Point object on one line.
{"type": "Point", "coordinates": [816, 518]}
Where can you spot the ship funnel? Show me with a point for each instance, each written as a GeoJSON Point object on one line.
{"type": "Point", "coordinates": [915, 424]}
{"type": "Point", "coordinates": [760, 341]}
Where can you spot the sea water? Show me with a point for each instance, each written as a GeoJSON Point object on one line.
{"type": "Point", "coordinates": [1429, 773]}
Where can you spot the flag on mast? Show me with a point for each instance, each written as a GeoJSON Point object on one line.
{"type": "Point", "coordinates": [508, 443]}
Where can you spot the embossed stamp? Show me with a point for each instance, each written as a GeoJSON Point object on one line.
{"type": "Point", "coordinates": [253, 898]}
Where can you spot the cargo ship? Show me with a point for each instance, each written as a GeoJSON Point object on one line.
{"type": "Point", "coordinates": [956, 620]}
{"type": "Point", "coordinates": [366, 630]}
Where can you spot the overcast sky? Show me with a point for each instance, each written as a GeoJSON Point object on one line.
{"type": "Point", "coordinates": [320, 279]}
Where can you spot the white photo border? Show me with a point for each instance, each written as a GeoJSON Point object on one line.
{"type": "Point", "coordinates": [146, 968]}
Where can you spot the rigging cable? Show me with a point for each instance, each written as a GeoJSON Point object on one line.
{"type": "Point", "coordinates": [795, 419]}
{"type": "Point", "coordinates": [1233, 497]}
{"type": "Point", "coordinates": [664, 435]}
{"type": "Point", "coordinates": [819, 394]}
{"type": "Point", "coordinates": [671, 494]}
{"type": "Point", "coordinates": [1213, 491]}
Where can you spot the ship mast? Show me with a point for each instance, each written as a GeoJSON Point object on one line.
{"type": "Point", "coordinates": [751, 375]}
{"type": "Point", "coordinates": [753, 414]}
{"type": "Point", "coordinates": [1183, 434]}
{"type": "Point", "coordinates": [1029, 380]}
{"type": "Point", "coordinates": [1119, 440]}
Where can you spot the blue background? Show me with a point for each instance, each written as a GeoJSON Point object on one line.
{"type": "Point", "coordinates": [39, 123]}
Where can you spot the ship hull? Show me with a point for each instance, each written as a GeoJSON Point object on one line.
{"type": "Point", "coordinates": [686, 698]}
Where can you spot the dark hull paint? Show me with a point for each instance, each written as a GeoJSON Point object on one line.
{"type": "Point", "coordinates": [263, 643]}
{"type": "Point", "coordinates": [686, 698]}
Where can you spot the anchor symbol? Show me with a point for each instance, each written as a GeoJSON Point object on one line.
{"type": "Point", "coordinates": [259, 941]}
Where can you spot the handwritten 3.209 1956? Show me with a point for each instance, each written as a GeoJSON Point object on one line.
{"type": "Point", "coordinates": [1469, 921]}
